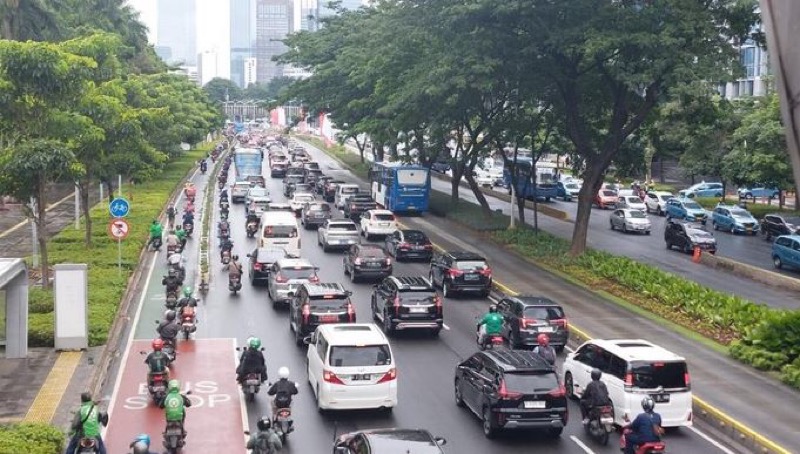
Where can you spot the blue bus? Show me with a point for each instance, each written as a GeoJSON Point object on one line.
{"type": "Point", "coordinates": [399, 187]}
{"type": "Point", "coordinates": [545, 173]}
{"type": "Point", "coordinates": [247, 162]}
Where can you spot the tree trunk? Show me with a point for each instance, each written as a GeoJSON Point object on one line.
{"type": "Point", "coordinates": [661, 178]}
{"type": "Point", "coordinates": [84, 187]}
{"type": "Point", "coordinates": [457, 173]}
{"type": "Point", "coordinates": [592, 180]}
{"type": "Point", "coordinates": [521, 209]}
{"type": "Point", "coordinates": [109, 189]}
{"type": "Point", "coordinates": [361, 148]}
{"type": "Point", "coordinates": [41, 232]}
{"type": "Point", "coordinates": [487, 211]}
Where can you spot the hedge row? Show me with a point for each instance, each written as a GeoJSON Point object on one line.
{"type": "Point", "coordinates": [106, 283]}
{"type": "Point", "coordinates": [30, 439]}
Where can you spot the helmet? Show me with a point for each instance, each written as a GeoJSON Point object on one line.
{"type": "Point", "coordinates": [174, 385]}
{"type": "Point", "coordinates": [543, 339]}
{"type": "Point", "coordinates": [254, 343]}
{"type": "Point", "coordinates": [648, 404]}
{"type": "Point", "coordinates": [158, 344]}
{"type": "Point", "coordinates": [86, 397]}
{"type": "Point", "coordinates": [140, 447]}
{"type": "Point", "coordinates": [493, 308]}
{"type": "Point", "coordinates": [171, 272]}
{"type": "Point", "coordinates": [169, 315]}
{"type": "Point", "coordinates": [596, 374]}
{"type": "Point", "coordinates": [264, 423]}
{"type": "Point", "coordinates": [143, 438]}
{"type": "Point", "coordinates": [283, 372]}
{"type": "Point", "coordinates": [235, 257]}
{"type": "Point", "coordinates": [187, 291]}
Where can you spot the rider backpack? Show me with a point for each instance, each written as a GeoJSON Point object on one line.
{"type": "Point", "coordinates": [158, 362]}
{"type": "Point", "coordinates": [262, 443]}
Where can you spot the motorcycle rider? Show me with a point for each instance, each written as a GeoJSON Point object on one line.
{"type": "Point", "coordinates": [595, 395]}
{"type": "Point", "coordinates": [252, 361]}
{"type": "Point", "coordinates": [172, 282]}
{"type": "Point", "coordinates": [189, 207]}
{"type": "Point", "coordinates": [175, 404]}
{"type": "Point", "coordinates": [171, 212]}
{"type": "Point", "coordinates": [252, 217]}
{"type": "Point", "coordinates": [188, 218]}
{"type": "Point", "coordinates": [225, 245]}
{"type": "Point", "coordinates": [182, 235]}
{"type": "Point", "coordinates": [490, 325]}
{"type": "Point", "coordinates": [175, 262]}
{"type": "Point", "coordinates": [155, 230]}
{"type": "Point", "coordinates": [203, 165]}
{"type": "Point", "coordinates": [223, 229]}
{"type": "Point", "coordinates": [157, 361]}
{"type": "Point", "coordinates": [283, 390]}
{"type": "Point", "coordinates": [190, 191]}
{"type": "Point", "coordinates": [188, 299]}
{"type": "Point", "coordinates": [646, 428]}
{"type": "Point", "coordinates": [223, 195]}
{"type": "Point", "coordinates": [172, 241]}
{"type": "Point", "coordinates": [234, 269]}
{"type": "Point", "coordinates": [266, 441]}
{"type": "Point", "coordinates": [86, 424]}
{"type": "Point", "coordinates": [141, 444]}
{"type": "Point", "coordinates": [167, 329]}
{"type": "Point", "coordinates": [544, 349]}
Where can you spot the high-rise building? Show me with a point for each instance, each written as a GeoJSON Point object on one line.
{"type": "Point", "coordinates": [243, 37]}
{"type": "Point", "coordinates": [207, 67]}
{"type": "Point", "coordinates": [177, 30]}
{"type": "Point", "coordinates": [274, 21]}
{"type": "Point", "coordinates": [250, 72]}
{"type": "Point", "coordinates": [324, 11]}
{"type": "Point", "coordinates": [163, 52]}
{"type": "Point", "coordinates": [305, 14]}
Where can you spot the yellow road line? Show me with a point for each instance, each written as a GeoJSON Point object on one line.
{"type": "Point", "coordinates": [52, 391]}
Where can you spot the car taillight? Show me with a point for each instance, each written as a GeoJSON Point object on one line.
{"type": "Point", "coordinates": [158, 377]}
{"type": "Point", "coordinates": [438, 302]}
{"type": "Point", "coordinates": [330, 377]}
{"type": "Point", "coordinates": [357, 261]}
{"type": "Point", "coordinates": [454, 273]}
{"type": "Point", "coordinates": [351, 313]}
{"type": "Point", "coordinates": [396, 303]}
{"type": "Point", "coordinates": [562, 322]}
{"type": "Point", "coordinates": [687, 380]}
{"type": "Point", "coordinates": [306, 313]}
{"type": "Point", "coordinates": [428, 247]}
{"type": "Point", "coordinates": [257, 266]}
{"type": "Point", "coordinates": [504, 394]}
{"type": "Point", "coordinates": [281, 279]}
{"type": "Point", "coordinates": [388, 262]}
{"type": "Point", "coordinates": [486, 271]}
{"type": "Point", "coordinates": [403, 246]}
{"type": "Point", "coordinates": [628, 381]}
{"type": "Point", "coordinates": [313, 279]}
{"type": "Point", "coordinates": [525, 322]}
{"type": "Point", "coordinates": [558, 392]}
{"type": "Point", "coordinates": [389, 376]}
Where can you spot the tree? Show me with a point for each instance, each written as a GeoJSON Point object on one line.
{"type": "Point", "coordinates": [220, 90]}
{"type": "Point", "coordinates": [23, 20]}
{"type": "Point", "coordinates": [267, 92]}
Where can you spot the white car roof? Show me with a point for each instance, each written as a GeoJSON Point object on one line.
{"type": "Point", "coordinates": [292, 262]}
{"type": "Point", "coordinates": [357, 334]}
{"type": "Point", "coordinates": [381, 211]}
{"type": "Point", "coordinates": [636, 350]}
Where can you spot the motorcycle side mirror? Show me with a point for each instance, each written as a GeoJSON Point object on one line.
{"type": "Point", "coordinates": [440, 441]}
{"type": "Point", "coordinates": [263, 349]}
{"type": "Point", "coordinates": [307, 340]}
{"type": "Point", "coordinates": [348, 293]}
{"type": "Point", "coordinates": [249, 255]}
{"type": "Point", "coordinates": [238, 349]}
{"type": "Point", "coordinates": [247, 432]}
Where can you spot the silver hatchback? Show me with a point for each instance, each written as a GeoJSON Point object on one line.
{"type": "Point", "coordinates": [628, 220]}
{"type": "Point", "coordinates": [286, 275]}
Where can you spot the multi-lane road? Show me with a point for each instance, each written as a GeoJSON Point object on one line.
{"type": "Point", "coordinates": [425, 367]}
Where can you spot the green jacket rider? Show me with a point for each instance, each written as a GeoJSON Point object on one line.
{"type": "Point", "coordinates": [155, 229]}
{"type": "Point", "coordinates": [493, 321]}
{"type": "Point", "coordinates": [175, 403]}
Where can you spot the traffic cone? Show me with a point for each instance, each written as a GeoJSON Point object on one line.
{"type": "Point", "coordinates": [696, 255]}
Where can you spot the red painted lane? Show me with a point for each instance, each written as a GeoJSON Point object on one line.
{"type": "Point", "coordinates": [213, 422]}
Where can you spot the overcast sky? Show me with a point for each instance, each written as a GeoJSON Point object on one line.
{"type": "Point", "coordinates": [212, 26]}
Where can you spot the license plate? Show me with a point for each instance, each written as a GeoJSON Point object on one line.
{"type": "Point", "coordinates": [384, 224]}
{"type": "Point", "coordinates": [607, 420]}
{"type": "Point", "coordinates": [661, 398]}
{"type": "Point", "coordinates": [374, 265]}
{"type": "Point", "coordinates": [419, 248]}
{"type": "Point", "coordinates": [361, 377]}
{"type": "Point", "coordinates": [418, 310]}
{"type": "Point", "coordinates": [535, 404]}
{"type": "Point", "coordinates": [471, 277]}
{"type": "Point", "coordinates": [174, 432]}
{"type": "Point", "coordinates": [335, 242]}
{"type": "Point", "coordinates": [253, 382]}
{"type": "Point", "coordinates": [546, 329]}
{"type": "Point", "coordinates": [328, 318]}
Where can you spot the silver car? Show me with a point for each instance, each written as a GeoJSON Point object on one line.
{"type": "Point", "coordinates": [286, 275]}
{"type": "Point", "coordinates": [628, 220]}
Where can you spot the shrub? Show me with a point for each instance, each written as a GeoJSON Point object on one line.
{"type": "Point", "coordinates": [30, 439]}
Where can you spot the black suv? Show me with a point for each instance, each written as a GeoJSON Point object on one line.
{"type": "Point", "coordinates": [525, 317]}
{"type": "Point", "coordinates": [314, 214]}
{"type": "Point", "coordinates": [409, 244]}
{"type": "Point", "coordinates": [357, 204]}
{"type": "Point", "coordinates": [459, 271]}
{"type": "Point", "coordinates": [778, 224]}
{"type": "Point", "coordinates": [366, 260]}
{"type": "Point", "coordinates": [686, 235]}
{"type": "Point", "coordinates": [511, 389]}
{"type": "Point", "coordinates": [317, 304]}
{"type": "Point", "coordinates": [388, 441]}
{"type": "Point", "coordinates": [407, 303]}
{"type": "Point", "coordinates": [261, 259]}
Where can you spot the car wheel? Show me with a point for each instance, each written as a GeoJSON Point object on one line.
{"type": "Point", "coordinates": [435, 332]}
{"type": "Point", "coordinates": [298, 338]}
{"type": "Point", "coordinates": [316, 396]}
{"type": "Point", "coordinates": [624, 228]}
{"type": "Point", "coordinates": [344, 269]}
{"type": "Point", "coordinates": [669, 245]}
{"type": "Point", "coordinates": [611, 224]}
{"type": "Point", "coordinates": [733, 230]}
{"type": "Point", "coordinates": [374, 309]}
{"type": "Point", "coordinates": [457, 394]}
{"type": "Point", "coordinates": [687, 248]}
{"type": "Point", "coordinates": [353, 276]}
{"type": "Point", "coordinates": [448, 293]}
{"type": "Point", "coordinates": [660, 212]}
{"type": "Point", "coordinates": [388, 327]}
{"type": "Point", "coordinates": [714, 225]}
{"type": "Point", "coordinates": [777, 262]}
{"type": "Point", "coordinates": [569, 386]}
{"type": "Point", "coordinates": [489, 427]}
{"type": "Point", "coordinates": [430, 278]}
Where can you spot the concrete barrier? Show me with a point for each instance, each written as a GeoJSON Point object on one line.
{"type": "Point", "coordinates": [750, 272]}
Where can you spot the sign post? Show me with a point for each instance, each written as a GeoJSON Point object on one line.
{"type": "Point", "coordinates": [118, 229]}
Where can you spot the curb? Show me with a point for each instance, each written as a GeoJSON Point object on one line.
{"type": "Point", "coordinates": [750, 272]}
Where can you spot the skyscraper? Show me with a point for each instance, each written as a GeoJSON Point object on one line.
{"type": "Point", "coordinates": [177, 30]}
{"type": "Point", "coordinates": [207, 67]}
{"type": "Point", "coordinates": [324, 11]}
{"type": "Point", "coordinates": [243, 37]}
{"type": "Point", "coordinates": [305, 14]}
{"type": "Point", "coordinates": [274, 21]}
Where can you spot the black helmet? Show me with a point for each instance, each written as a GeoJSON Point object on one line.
{"type": "Point", "coordinates": [86, 397]}
{"type": "Point", "coordinates": [596, 374]}
{"type": "Point", "coordinates": [493, 308]}
{"type": "Point", "coordinates": [236, 257]}
{"type": "Point", "coordinates": [648, 404]}
{"type": "Point", "coordinates": [169, 315]}
{"type": "Point", "coordinates": [264, 423]}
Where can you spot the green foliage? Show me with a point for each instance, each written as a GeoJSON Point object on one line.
{"type": "Point", "coordinates": [759, 358]}
{"type": "Point", "coordinates": [31, 439]}
{"type": "Point", "coordinates": [106, 285]}
{"type": "Point", "coordinates": [219, 90]}
{"type": "Point", "coordinates": [466, 213]}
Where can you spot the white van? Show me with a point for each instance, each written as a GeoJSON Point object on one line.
{"type": "Point", "coordinates": [279, 230]}
{"type": "Point", "coordinates": [343, 192]}
{"type": "Point", "coordinates": [633, 369]}
{"type": "Point", "coordinates": [351, 366]}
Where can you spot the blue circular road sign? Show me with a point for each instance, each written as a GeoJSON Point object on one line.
{"type": "Point", "coordinates": [119, 207]}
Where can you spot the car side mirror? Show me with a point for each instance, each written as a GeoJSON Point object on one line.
{"type": "Point", "coordinates": [440, 441]}
{"type": "Point", "coordinates": [308, 340]}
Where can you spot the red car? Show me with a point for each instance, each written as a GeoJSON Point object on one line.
{"type": "Point", "coordinates": [606, 199]}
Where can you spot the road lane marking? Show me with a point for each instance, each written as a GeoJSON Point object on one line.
{"type": "Point", "coordinates": [707, 438]}
{"type": "Point", "coordinates": [581, 444]}
{"type": "Point", "coordinates": [242, 403]}
{"type": "Point", "coordinates": [444, 325]}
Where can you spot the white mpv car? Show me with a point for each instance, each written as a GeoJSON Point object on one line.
{"type": "Point", "coordinates": [633, 369]}
{"type": "Point", "coordinates": [351, 366]}
{"type": "Point", "coordinates": [378, 222]}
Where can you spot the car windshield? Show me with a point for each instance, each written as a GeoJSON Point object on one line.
{"type": "Point", "coordinates": [319, 208]}
{"type": "Point", "coordinates": [303, 197]}
{"type": "Point", "coordinates": [297, 272]}
{"type": "Point", "coordinates": [543, 313]}
{"type": "Point", "coordinates": [361, 356]}
{"type": "Point", "coordinates": [415, 237]}
{"type": "Point", "coordinates": [638, 214]}
{"type": "Point", "coordinates": [666, 197]}
{"type": "Point", "coordinates": [328, 303]}
{"type": "Point", "coordinates": [259, 192]}
{"type": "Point", "coordinates": [294, 178]}
{"type": "Point", "coordinates": [469, 265]}
{"type": "Point", "coordinates": [531, 382]}
{"type": "Point", "coordinates": [571, 186]}
{"type": "Point", "coordinates": [384, 217]}
{"type": "Point", "coordinates": [652, 374]}
{"type": "Point", "coordinates": [740, 214]}
{"type": "Point", "coordinates": [280, 231]}
{"type": "Point", "coordinates": [692, 206]}
{"type": "Point", "coordinates": [698, 233]}
{"type": "Point", "coordinates": [607, 193]}
{"type": "Point", "coordinates": [421, 296]}
{"type": "Point", "coordinates": [633, 199]}
{"type": "Point", "coordinates": [344, 226]}
{"type": "Point", "coordinates": [346, 190]}
{"type": "Point", "coordinates": [371, 252]}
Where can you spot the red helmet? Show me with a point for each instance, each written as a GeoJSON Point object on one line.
{"type": "Point", "coordinates": [158, 344]}
{"type": "Point", "coordinates": [543, 339]}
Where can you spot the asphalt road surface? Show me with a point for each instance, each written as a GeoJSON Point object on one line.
{"type": "Point", "coordinates": [425, 364]}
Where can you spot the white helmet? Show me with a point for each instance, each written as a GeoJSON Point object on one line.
{"type": "Point", "coordinates": [283, 372]}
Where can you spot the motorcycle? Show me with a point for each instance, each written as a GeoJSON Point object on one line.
{"type": "Point", "coordinates": [653, 447]}
{"type": "Point", "coordinates": [251, 385]}
{"type": "Point", "coordinates": [87, 445]}
{"type": "Point", "coordinates": [489, 341]}
{"type": "Point", "coordinates": [224, 205]}
{"type": "Point", "coordinates": [234, 284]}
{"type": "Point", "coordinates": [171, 250]}
{"type": "Point", "coordinates": [188, 325]}
{"type": "Point", "coordinates": [174, 437]}
{"type": "Point", "coordinates": [252, 228]}
{"type": "Point", "coordinates": [221, 184]}
{"type": "Point", "coordinates": [157, 384]}
{"type": "Point", "coordinates": [226, 257]}
{"type": "Point", "coordinates": [224, 213]}
{"type": "Point", "coordinates": [189, 229]}
{"type": "Point", "coordinates": [282, 422]}
{"type": "Point", "coordinates": [155, 243]}
{"type": "Point", "coordinates": [600, 424]}
{"type": "Point", "coordinates": [172, 299]}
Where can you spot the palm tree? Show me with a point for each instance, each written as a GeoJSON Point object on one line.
{"type": "Point", "coordinates": [23, 20]}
